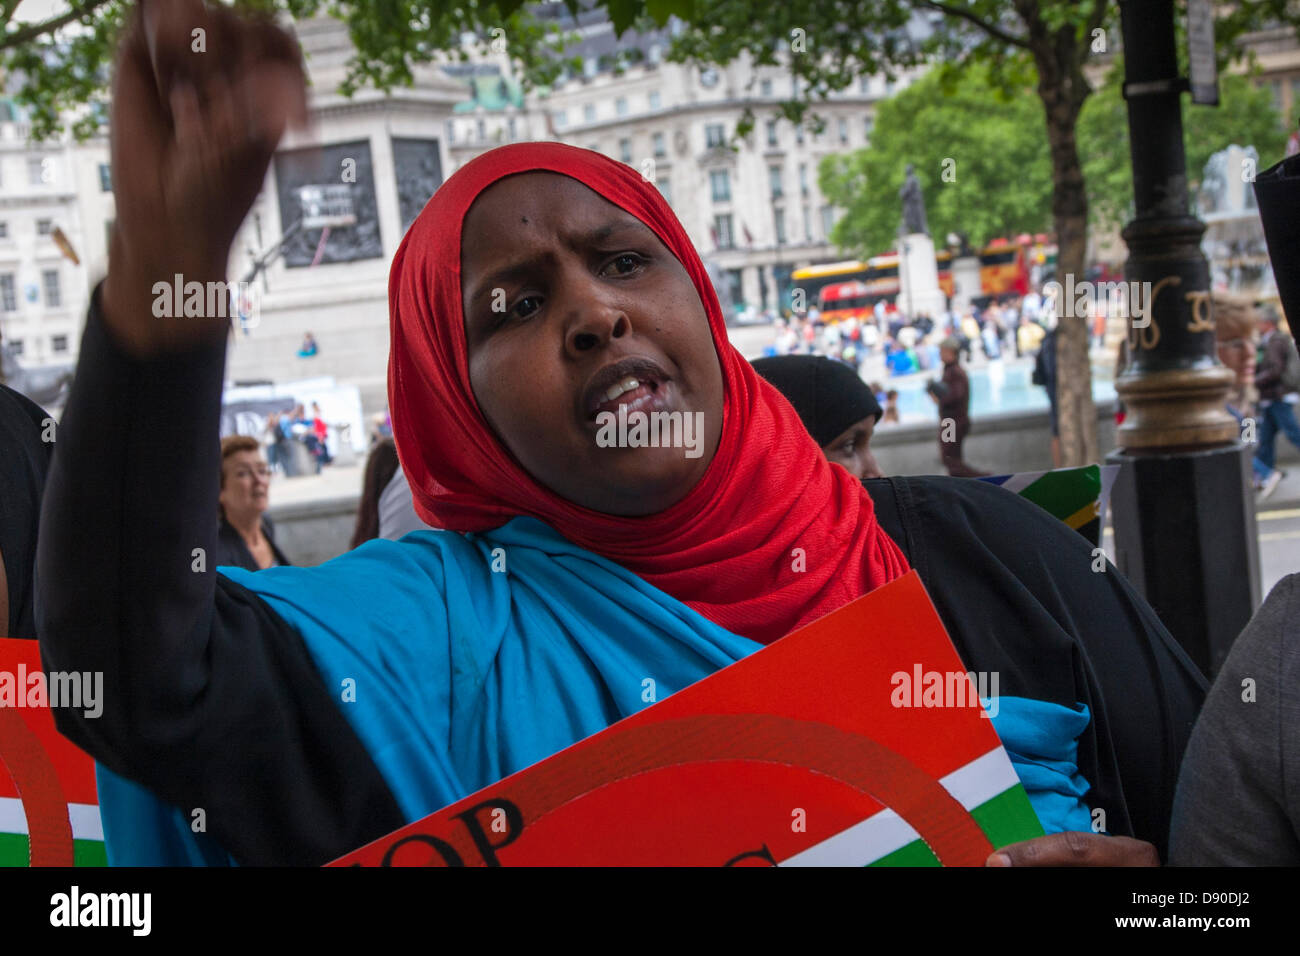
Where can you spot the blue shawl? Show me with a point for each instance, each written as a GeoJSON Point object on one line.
{"type": "Point", "coordinates": [460, 659]}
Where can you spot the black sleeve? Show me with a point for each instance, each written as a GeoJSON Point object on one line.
{"type": "Point", "coordinates": [24, 461]}
{"type": "Point", "coordinates": [1277, 194]}
{"type": "Point", "coordinates": [210, 699]}
{"type": "Point", "coordinates": [1018, 592]}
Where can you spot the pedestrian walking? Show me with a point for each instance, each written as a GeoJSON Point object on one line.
{"type": "Point", "coordinates": [1277, 377]}
{"type": "Point", "coordinates": [1045, 375]}
{"type": "Point", "coordinates": [952, 394]}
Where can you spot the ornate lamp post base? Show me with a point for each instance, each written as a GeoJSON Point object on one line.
{"type": "Point", "coordinates": [1176, 408]}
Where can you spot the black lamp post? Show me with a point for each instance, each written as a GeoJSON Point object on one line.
{"type": "Point", "coordinates": [1184, 512]}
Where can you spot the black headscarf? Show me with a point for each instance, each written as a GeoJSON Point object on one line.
{"type": "Point", "coordinates": [828, 395]}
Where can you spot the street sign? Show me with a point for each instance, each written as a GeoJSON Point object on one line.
{"type": "Point", "coordinates": [1203, 69]}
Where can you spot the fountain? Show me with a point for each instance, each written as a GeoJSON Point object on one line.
{"type": "Point", "coordinates": [1234, 237]}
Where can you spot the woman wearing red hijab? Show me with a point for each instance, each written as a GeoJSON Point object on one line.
{"type": "Point", "coordinates": [543, 288]}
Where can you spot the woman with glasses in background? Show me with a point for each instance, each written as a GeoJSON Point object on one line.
{"type": "Point", "coordinates": [245, 535]}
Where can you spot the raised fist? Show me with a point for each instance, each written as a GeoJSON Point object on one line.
{"type": "Point", "coordinates": [201, 97]}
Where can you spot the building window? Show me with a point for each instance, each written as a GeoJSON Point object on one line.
{"type": "Point", "coordinates": [722, 236]}
{"type": "Point", "coordinates": [561, 118]}
{"type": "Point", "coordinates": [8, 293]}
{"type": "Point", "coordinates": [620, 106]}
{"type": "Point", "coordinates": [778, 216]}
{"type": "Point", "coordinates": [17, 346]}
{"type": "Point", "coordinates": [843, 125]}
{"type": "Point", "coordinates": [59, 343]}
{"type": "Point", "coordinates": [511, 128]}
{"type": "Point", "coordinates": [4, 230]}
{"type": "Point", "coordinates": [828, 220]}
{"type": "Point", "coordinates": [868, 124]}
{"type": "Point", "coordinates": [660, 145]}
{"type": "Point", "coordinates": [589, 66]}
{"type": "Point", "coordinates": [451, 131]}
{"type": "Point", "coordinates": [654, 99]}
{"type": "Point", "coordinates": [798, 134]}
{"type": "Point", "coordinates": [771, 132]}
{"type": "Point", "coordinates": [803, 179]}
{"type": "Point", "coordinates": [720, 183]}
{"type": "Point", "coordinates": [807, 224]}
{"type": "Point", "coordinates": [50, 282]}
{"type": "Point", "coordinates": [665, 189]}
{"type": "Point", "coordinates": [105, 179]}
{"type": "Point", "coordinates": [595, 148]}
{"type": "Point", "coordinates": [625, 150]}
{"type": "Point", "coordinates": [864, 84]}
{"type": "Point", "coordinates": [38, 172]}
{"type": "Point", "coordinates": [589, 113]}
{"type": "Point", "coordinates": [44, 227]}
{"type": "Point", "coordinates": [714, 135]}
{"type": "Point", "coordinates": [765, 88]}
{"type": "Point", "coordinates": [655, 53]}
{"type": "Point", "coordinates": [774, 181]}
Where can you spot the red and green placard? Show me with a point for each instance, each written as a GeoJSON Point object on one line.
{"type": "Point", "coordinates": [804, 753]}
{"type": "Point", "coordinates": [49, 813]}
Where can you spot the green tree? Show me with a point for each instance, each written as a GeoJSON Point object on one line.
{"type": "Point", "coordinates": [979, 154]}
{"type": "Point", "coordinates": [827, 44]}
{"type": "Point", "coordinates": [1245, 116]}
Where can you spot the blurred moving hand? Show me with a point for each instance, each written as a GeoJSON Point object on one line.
{"type": "Point", "coordinates": [201, 97]}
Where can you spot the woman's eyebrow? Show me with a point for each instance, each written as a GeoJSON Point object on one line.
{"type": "Point", "coordinates": [525, 267]}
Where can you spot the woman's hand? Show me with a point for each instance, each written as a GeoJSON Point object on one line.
{"type": "Point", "coordinates": [201, 97]}
{"type": "Point", "coordinates": [1076, 849]}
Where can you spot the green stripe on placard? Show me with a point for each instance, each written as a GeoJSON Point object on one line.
{"type": "Point", "coordinates": [1001, 819]}
{"type": "Point", "coordinates": [915, 853]}
{"type": "Point", "coordinates": [14, 851]}
{"type": "Point", "coordinates": [1062, 493]}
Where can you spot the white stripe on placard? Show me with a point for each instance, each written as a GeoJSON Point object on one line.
{"type": "Point", "coordinates": [84, 818]}
{"type": "Point", "coordinates": [884, 832]}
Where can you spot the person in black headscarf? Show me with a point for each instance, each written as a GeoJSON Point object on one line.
{"type": "Point", "coordinates": [26, 444]}
{"type": "Point", "coordinates": [835, 406]}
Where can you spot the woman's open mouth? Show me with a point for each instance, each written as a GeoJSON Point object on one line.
{"type": "Point", "coordinates": [637, 395]}
{"type": "Point", "coordinates": [638, 385]}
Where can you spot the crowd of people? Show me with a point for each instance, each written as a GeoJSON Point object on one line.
{"type": "Point", "coordinates": [284, 428]}
{"type": "Point", "coordinates": [910, 344]}
{"type": "Point", "coordinates": [223, 686]}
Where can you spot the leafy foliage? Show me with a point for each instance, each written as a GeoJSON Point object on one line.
{"type": "Point", "coordinates": [980, 156]}
{"type": "Point", "coordinates": [1245, 116]}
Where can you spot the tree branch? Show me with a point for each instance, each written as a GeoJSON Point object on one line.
{"type": "Point", "coordinates": [990, 28]}
{"type": "Point", "coordinates": [34, 30]}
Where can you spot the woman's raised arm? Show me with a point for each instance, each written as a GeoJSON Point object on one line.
{"type": "Point", "coordinates": [209, 699]}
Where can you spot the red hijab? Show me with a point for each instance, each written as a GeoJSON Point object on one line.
{"type": "Point", "coordinates": [772, 537]}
